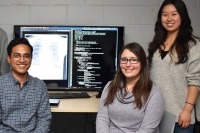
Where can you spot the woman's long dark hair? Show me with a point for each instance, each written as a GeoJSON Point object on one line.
{"type": "Point", "coordinates": [143, 86]}
{"type": "Point", "coordinates": [181, 43]}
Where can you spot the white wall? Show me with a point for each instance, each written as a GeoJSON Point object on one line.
{"type": "Point", "coordinates": [138, 16]}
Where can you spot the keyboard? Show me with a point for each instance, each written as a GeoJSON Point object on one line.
{"type": "Point", "coordinates": [66, 95]}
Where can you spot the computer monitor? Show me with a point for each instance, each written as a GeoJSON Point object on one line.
{"type": "Point", "coordinates": [73, 57]}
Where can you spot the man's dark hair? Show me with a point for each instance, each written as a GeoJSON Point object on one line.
{"type": "Point", "coordinates": [18, 41]}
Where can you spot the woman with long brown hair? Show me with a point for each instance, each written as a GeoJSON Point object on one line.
{"type": "Point", "coordinates": [131, 102]}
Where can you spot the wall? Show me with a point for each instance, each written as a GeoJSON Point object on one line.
{"type": "Point", "coordinates": [138, 16]}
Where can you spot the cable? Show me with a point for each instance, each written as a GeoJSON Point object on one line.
{"type": "Point", "coordinates": [92, 123]}
{"type": "Point", "coordinates": [65, 131]}
{"type": "Point", "coordinates": [85, 122]}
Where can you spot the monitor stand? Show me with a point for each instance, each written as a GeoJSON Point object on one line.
{"type": "Point", "coordinates": [54, 87]}
{"type": "Point", "coordinates": [52, 84]}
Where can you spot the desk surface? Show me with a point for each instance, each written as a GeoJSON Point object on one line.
{"type": "Point", "coordinates": [78, 105]}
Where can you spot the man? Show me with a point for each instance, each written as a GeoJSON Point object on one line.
{"type": "Point", "coordinates": [4, 66]}
{"type": "Point", "coordinates": [24, 101]}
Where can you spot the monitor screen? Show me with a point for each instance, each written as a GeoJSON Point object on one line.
{"type": "Point", "coordinates": [73, 57]}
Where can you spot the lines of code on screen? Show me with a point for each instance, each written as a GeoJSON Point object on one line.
{"type": "Point", "coordinates": [94, 53]}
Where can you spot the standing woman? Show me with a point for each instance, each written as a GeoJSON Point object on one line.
{"type": "Point", "coordinates": [174, 60]}
{"type": "Point", "coordinates": [130, 103]}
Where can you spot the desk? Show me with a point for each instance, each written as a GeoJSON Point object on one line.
{"type": "Point", "coordinates": [72, 115]}
{"type": "Point", "coordinates": [78, 105]}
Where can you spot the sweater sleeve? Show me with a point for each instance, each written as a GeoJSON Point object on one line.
{"type": "Point", "coordinates": [193, 72]}
{"type": "Point", "coordinates": [154, 110]}
{"type": "Point", "coordinates": [4, 65]}
{"type": "Point", "coordinates": [102, 121]}
{"type": "Point", "coordinates": [193, 66]}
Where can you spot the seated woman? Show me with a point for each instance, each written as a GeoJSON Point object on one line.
{"type": "Point", "coordinates": [131, 103]}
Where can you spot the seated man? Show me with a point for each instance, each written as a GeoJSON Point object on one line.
{"type": "Point", "coordinates": [24, 101]}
